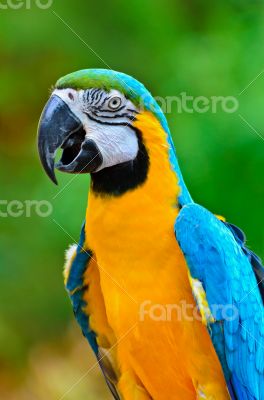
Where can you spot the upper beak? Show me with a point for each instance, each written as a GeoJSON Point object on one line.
{"type": "Point", "coordinates": [59, 127]}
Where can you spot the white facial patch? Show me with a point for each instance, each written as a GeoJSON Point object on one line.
{"type": "Point", "coordinates": [117, 144]}
{"type": "Point", "coordinates": [109, 129]}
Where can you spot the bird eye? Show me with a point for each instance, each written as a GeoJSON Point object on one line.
{"type": "Point", "coordinates": [114, 102]}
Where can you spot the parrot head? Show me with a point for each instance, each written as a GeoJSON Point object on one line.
{"type": "Point", "coordinates": [104, 122]}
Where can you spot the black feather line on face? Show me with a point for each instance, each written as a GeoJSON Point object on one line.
{"type": "Point", "coordinates": [120, 178]}
{"type": "Point", "coordinates": [101, 109]}
{"type": "Point", "coordinates": [98, 99]}
{"type": "Point", "coordinates": [103, 102]}
{"type": "Point", "coordinates": [124, 115]}
{"type": "Point", "coordinates": [110, 123]}
{"type": "Point", "coordinates": [94, 94]}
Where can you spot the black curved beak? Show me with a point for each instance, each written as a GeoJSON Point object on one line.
{"type": "Point", "coordinates": [59, 127]}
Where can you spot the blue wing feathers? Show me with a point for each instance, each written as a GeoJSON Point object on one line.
{"type": "Point", "coordinates": [76, 288]}
{"type": "Point", "coordinates": [239, 392]}
{"type": "Point", "coordinates": [231, 275]}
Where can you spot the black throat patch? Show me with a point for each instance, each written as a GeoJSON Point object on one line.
{"type": "Point", "coordinates": [120, 178]}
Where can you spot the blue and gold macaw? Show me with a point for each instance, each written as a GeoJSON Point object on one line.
{"type": "Point", "coordinates": [167, 294]}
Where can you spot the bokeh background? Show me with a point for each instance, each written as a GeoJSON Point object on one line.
{"type": "Point", "coordinates": [203, 48]}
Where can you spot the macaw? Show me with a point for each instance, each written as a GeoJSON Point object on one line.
{"type": "Point", "coordinates": [166, 293]}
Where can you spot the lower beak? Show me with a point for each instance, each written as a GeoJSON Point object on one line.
{"type": "Point", "coordinates": [59, 127]}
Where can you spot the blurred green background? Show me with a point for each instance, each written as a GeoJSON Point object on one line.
{"type": "Point", "coordinates": [203, 48]}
